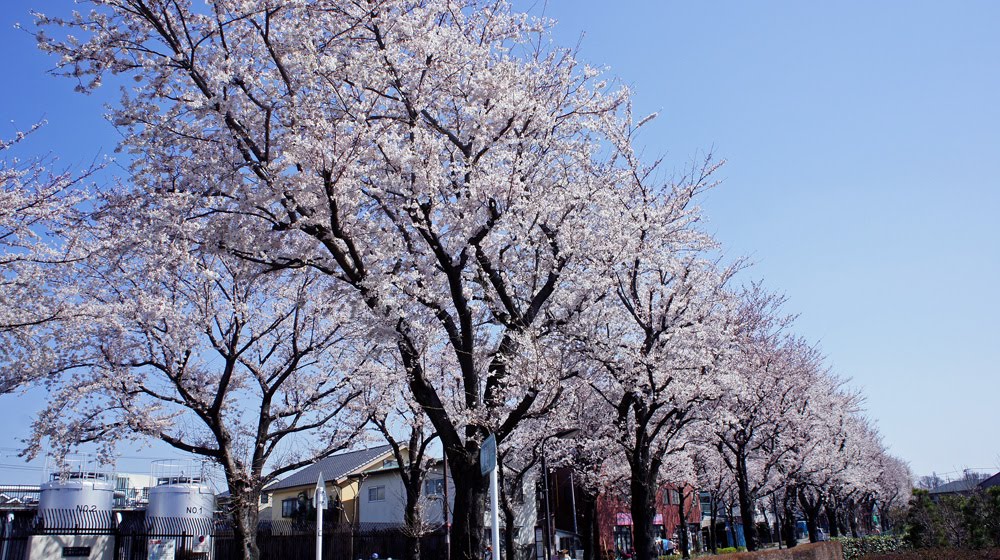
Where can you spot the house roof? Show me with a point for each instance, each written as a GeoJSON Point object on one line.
{"type": "Point", "coordinates": [956, 487]}
{"type": "Point", "coordinates": [334, 467]}
{"type": "Point", "coordinates": [990, 482]}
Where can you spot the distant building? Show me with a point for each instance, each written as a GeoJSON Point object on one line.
{"type": "Point", "coordinates": [19, 496]}
{"type": "Point", "coordinates": [615, 520]}
{"type": "Point", "coordinates": [132, 490]}
{"type": "Point", "coordinates": [990, 482]}
{"type": "Point", "coordinates": [292, 497]}
{"type": "Point", "coordinates": [966, 485]}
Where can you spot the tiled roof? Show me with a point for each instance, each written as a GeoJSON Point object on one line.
{"type": "Point", "coordinates": [990, 482]}
{"type": "Point", "coordinates": [956, 487]}
{"type": "Point", "coordinates": [333, 467]}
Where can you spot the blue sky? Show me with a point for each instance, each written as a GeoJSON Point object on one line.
{"type": "Point", "coordinates": [863, 148]}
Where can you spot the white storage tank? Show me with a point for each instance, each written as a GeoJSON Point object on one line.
{"type": "Point", "coordinates": [181, 503]}
{"type": "Point", "coordinates": [76, 499]}
{"type": "Point", "coordinates": [185, 499]}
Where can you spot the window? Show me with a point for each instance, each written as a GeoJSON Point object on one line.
{"type": "Point", "coordinates": [265, 498]}
{"type": "Point", "coordinates": [289, 507]}
{"type": "Point", "coordinates": [434, 487]}
{"type": "Point", "coordinates": [376, 493]}
{"type": "Point", "coordinates": [623, 539]}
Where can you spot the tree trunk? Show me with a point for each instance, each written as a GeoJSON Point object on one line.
{"type": "Point", "coordinates": [732, 526]}
{"type": "Point", "coordinates": [590, 533]}
{"type": "Point", "coordinates": [468, 540]}
{"type": "Point", "coordinates": [852, 518]}
{"type": "Point", "coordinates": [714, 518]}
{"type": "Point", "coordinates": [682, 529]}
{"type": "Point", "coordinates": [831, 517]}
{"type": "Point", "coordinates": [811, 510]}
{"type": "Point", "coordinates": [411, 517]}
{"type": "Point", "coordinates": [788, 519]}
{"type": "Point", "coordinates": [245, 518]}
{"type": "Point", "coordinates": [779, 518]}
{"type": "Point", "coordinates": [643, 495]}
{"type": "Point", "coordinates": [746, 504]}
{"type": "Point", "coordinates": [507, 512]}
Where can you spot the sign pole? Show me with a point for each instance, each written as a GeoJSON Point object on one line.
{"type": "Point", "coordinates": [495, 512]}
{"type": "Point", "coordinates": [320, 501]}
{"type": "Point", "coordinates": [488, 465]}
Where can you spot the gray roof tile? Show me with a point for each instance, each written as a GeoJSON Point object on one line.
{"type": "Point", "coordinates": [333, 467]}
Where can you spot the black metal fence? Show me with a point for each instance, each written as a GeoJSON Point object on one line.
{"type": "Point", "coordinates": [14, 528]}
{"type": "Point", "coordinates": [206, 539]}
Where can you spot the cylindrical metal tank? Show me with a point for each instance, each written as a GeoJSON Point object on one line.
{"type": "Point", "coordinates": [184, 506]}
{"type": "Point", "coordinates": [77, 499]}
{"type": "Point", "coordinates": [188, 500]}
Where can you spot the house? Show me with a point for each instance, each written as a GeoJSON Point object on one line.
{"type": "Point", "coordinates": [990, 482]}
{"type": "Point", "coordinates": [971, 482]}
{"type": "Point", "coordinates": [292, 497]}
{"type": "Point", "coordinates": [382, 497]}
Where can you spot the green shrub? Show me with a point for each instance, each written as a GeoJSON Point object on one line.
{"type": "Point", "coordinates": [857, 548]}
{"type": "Point", "coordinates": [732, 549]}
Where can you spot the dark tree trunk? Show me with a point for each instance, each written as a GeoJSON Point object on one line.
{"type": "Point", "coordinates": [852, 518]}
{"type": "Point", "coordinates": [507, 511]}
{"type": "Point", "coordinates": [746, 504]}
{"type": "Point", "coordinates": [831, 516]}
{"type": "Point", "coordinates": [682, 529]}
{"type": "Point", "coordinates": [883, 513]}
{"type": "Point", "coordinates": [245, 517]}
{"type": "Point", "coordinates": [788, 519]}
{"type": "Point", "coordinates": [643, 489]}
{"type": "Point", "coordinates": [590, 533]}
{"type": "Point", "coordinates": [732, 526]}
{"type": "Point", "coordinates": [714, 518]}
{"type": "Point", "coordinates": [471, 488]}
{"type": "Point", "coordinates": [811, 509]}
{"type": "Point", "coordinates": [779, 517]}
{"type": "Point", "coordinates": [411, 517]}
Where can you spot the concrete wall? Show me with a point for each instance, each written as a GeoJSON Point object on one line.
{"type": "Point", "coordinates": [830, 550]}
{"type": "Point", "coordinates": [48, 547]}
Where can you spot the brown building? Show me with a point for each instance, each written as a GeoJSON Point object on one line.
{"type": "Point", "coordinates": [614, 521]}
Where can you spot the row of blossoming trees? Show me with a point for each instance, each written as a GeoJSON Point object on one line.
{"type": "Point", "coordinates": [412, 216]}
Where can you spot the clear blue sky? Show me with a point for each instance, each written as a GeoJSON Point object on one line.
{"type": "Point", "coordinates": [863, 178]}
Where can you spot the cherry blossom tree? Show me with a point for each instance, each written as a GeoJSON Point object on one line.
{"type": "Point", "coordinates": [207, 354]}
{"type": "Point", "coordinates": [760, 421]}
{"type": "Point", "coordinates": [35, 205]}
{"type": "Point", "coordinates": [438, 158]}
{"type": "Point", "coordinates": [818, 464]}
{"type": "Point", "coordinates": [894, 488]}
{"type": "Point", "coordinates": [713, 477]}
{"type": "Point", "coordinates": [658, 337]}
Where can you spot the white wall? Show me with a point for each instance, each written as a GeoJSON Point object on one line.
{"type": "Point", "coordinates": [390, 510]}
